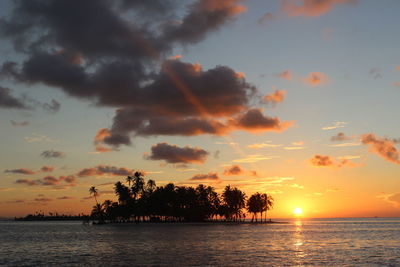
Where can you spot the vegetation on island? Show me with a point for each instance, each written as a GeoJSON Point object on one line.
{"type": "Point", "coordinates": [141, 201]}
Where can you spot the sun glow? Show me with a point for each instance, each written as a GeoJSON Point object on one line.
{"type": "Point", "coordinates": [298, 211]}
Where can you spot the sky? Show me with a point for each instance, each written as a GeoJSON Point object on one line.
{"type": "Point", "coordinates": [294, 98]}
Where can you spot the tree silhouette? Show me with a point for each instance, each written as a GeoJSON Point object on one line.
{"type": "Point", "coordinates": [144, 201]}
{"type": "Point", "coordinates": [93, 191]}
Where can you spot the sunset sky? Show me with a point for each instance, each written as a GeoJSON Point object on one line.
{"type": "Point", "coordinates": [297, 99]}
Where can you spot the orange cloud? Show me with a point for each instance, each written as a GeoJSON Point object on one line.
{"type": "Point", "coordinates": [230, 6]}
{"type": "Point", "coordinates": [310, 8]}
{"type": "Point", "coordinates": [383, 147]}
{"type": "Point", "coordinates": [276, 97]}
{"type": "Point", "coordinates": [328, 161]}
{"type": "Point", "coordinates": [99, 138]}
{"type": "Point", "coordinates": [176, 57]}
{"type": "Point", "coordinates": [287, 75]}
{"type": "Point", "coordinates": [316, 79]}
{"type": "Point", "coordinates": [47, 169]}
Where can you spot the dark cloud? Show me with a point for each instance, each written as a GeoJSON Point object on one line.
{"type": "Point", "coordinates": [7, 100]}
{"type": "Point", "coordinates": [52, 154]}
{"type": "Point", "coordinates": [20, 171]}
{"type": "Point", "coordinates": [111, 54]}
{"type": "Point", "coordinates": [203, 16]}
{"type": "Point", "coordinates": [49, 181]}
{"type": "Point", "coordinates": [53, 106]}
{"type": "Point", "coordinates": [209, 176]}
{"type": "Point", "coordinates": [233, 170]}
{"type": "Point", "coordinates": [254, 120]}
{"type": "Point", "coordinates": [43, 199]}
{"type": "Point", "coordinates": [65, 198]}
{"type": "Point", "coordinates": [105, 170]}
{"type": "Point", "coordinates": [340, 137]}
{"type": "Point", "coordinates": [383, 147]}
{"type": "Point", "coordinates": [175, 154]}
{"type": "Point", "coordinates": [19, 124]}
{"type": "Point", "coordinates": [375, 73]}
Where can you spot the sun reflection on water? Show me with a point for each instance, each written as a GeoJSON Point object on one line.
{"type": "Point", "coordinates": [298, 242]}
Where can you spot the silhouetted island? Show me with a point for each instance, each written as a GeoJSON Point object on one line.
{"type": "Point", "coordinates": [141, 201]}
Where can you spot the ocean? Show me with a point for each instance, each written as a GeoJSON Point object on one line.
{"type": "Point", "coordinates": [301, 242]}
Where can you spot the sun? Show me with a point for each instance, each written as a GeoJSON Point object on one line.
{"type": "Point", "coordinates": [297, 211]}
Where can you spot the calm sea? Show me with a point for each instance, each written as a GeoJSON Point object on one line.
{"type": "Point", "coordinates": [322, 242]}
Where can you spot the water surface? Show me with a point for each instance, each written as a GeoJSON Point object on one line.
{"type": "Point", "coordinates": [322, 242]}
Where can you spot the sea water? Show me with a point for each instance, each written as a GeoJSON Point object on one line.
{"type": "Point", "coordinates": [300, 242]}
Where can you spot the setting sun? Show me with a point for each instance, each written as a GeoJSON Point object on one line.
{"type": "Point", "coordinates": [297, 211]}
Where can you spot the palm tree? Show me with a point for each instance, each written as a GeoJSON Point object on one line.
{"type": "Point", "coordinates": [254, 205]}
{"type": "Point", "coordinates": [138, 184]}
{"type": "Point", "coordinates": [267, 204]}
{"type": "Point", "coordinates": [93, 191]}
{"type": "Point", "coordinates": [129, 179]}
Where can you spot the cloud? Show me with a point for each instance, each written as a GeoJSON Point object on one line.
{"type": "Point", "coordinates": [383, 147]}
{"type": "Point", "coordinates": [124, 64]}
{"type": "Point", "coordinates": [19, 124]}
{"type": "Point", "coordinates": [286, 74]}
{"type": "Point", "coordinates": [294, 147]}
{"type": "Point", "coordinates": [340, 137]}
{"type": "Point", "coordinates": [39, 138]}
{"type": "Point", "coordinates": [310, 8]}
{"type": "Point", "coordinates": [52, 154]}
{"type": "Point", "coordinates": [375, 73]}
{"type": "Point", "coordinates": [316, 79]}
{"type": "Point", "coordinates": [9, 101]}
{"type": "Point", "coordinates": [338, 124]}
{"type": "Point", "coordinates": [65, 198]}
{"type": "Point", "coordinates": [296, 186]}
{"type": "Point", "coordinates": [47, 168]}
{"type": "Point", "coordinates": [266, 18]}
{"type": "Point", "coordinates": [99, 138]}
{"type": "Point", "coordinates": [43, 199]}
{"type": "Point", "coordinates": [393, 199]}
{"type": "Point", "coordinates": [254, 121]}
{"type": "Point", "coordinates": [49, 181]}
{"type": "Point", "coordinates": [252, 159]}
{"type": "Point", "coordinates": [105, 170]}
{"type": "Point", "coordinates": [20, 171]}
{"type": "Point", "coordinates": [201, 177]}
{"type": "Point", "coordinates": [322, 161]}
{"type": "Point", "coordinates": [262, 145]}
{"type": "Point", "coordinates": [274, 98]}
{"type": "Point", "coordinates": [233, 170]}
{"type": "Point", "coordinates": [53, 106]}
{"type": "Point", "coordinates": [174, 154]}
{"type": "Point", "coordinates": [328, 161]}
{"type": "Point", "coordinates": [345, 145]}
